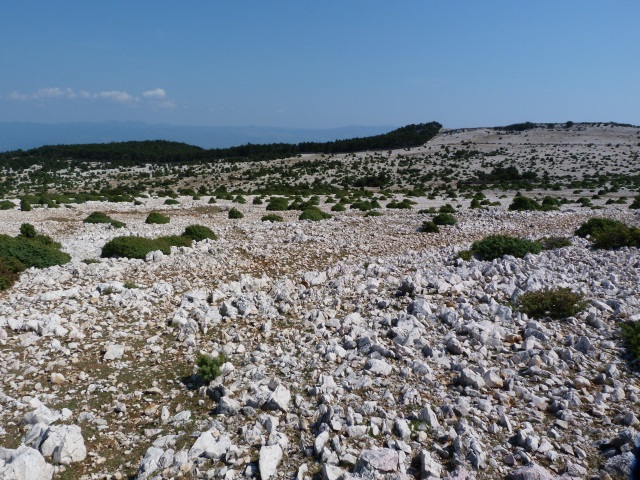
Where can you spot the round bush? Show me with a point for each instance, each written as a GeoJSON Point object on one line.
{"type": "Point", "coordinates": [444, 219]}
{"type": "Point", "coordinates": [27, 230]}
{"type": "Point", "coordinates": [313, 214]}
{"type": "Point", "coordinates": [155, 217]}
{"type": "Point", "coordinates": [496, 246]}
{"type": "Point", "coordinates": [429, 227]}
{"type": "Point", "coordinates": [199, 233]}
{"type": "Point", "coordinates": [139, 247]}
{"type": "Point", "coordinates": [171, 201]}
{"type": "Point", "coordinates": [338, 207]}
{"type": "Point", "coordinates": [607, 233]}
{"type": "Point", "coordinates": [278, 204]}
{"type": "Point", "coordinates": [6, 205]}
{"type": "Point", "coordinates": [25, 206]}
{"type": "Point", "coordinates": [521, 203]}
{"type": "Point", "coordinates": [235, 213]}
{"type": "Point", "coordinates": [556, 303]}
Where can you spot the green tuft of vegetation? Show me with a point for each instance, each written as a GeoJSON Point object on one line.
{"type": "Point", "coordinates": [496, 246]}
{"type": "Point", "coordinates": [403, 205]}
{"type": "Point", "coordinates": [234, 213]}
{"type": "Point", "coordinates": [551, 243]}
{"type": "Point", "coordinates": [522, 203]}
{"type": "Point", "coordinates": [7, 205]}
{"type": "Point", "coordinates": [278, 204]}
{"type": "Point", "coordinates": [631, 335]}
{"type": "Point", "coordinates": [257, 201]}
{"type": "Point", "coordinates": [272, 217]}
{"type": "Point", "coordinates": [171, 201]}
{"type": "Point", "coordinates": [556, 303]}
{"type": "Point", "coordinates": [209, 367]}
{"type": "Point", "coordinates": [445, 219]}
{"type": "Point", "coordinates": [466, 255]}
{"type": "Point", "coordinates": [314, 214]}
{"type": "Point", "coordinates": [429, 227]}
{"type": "Point", "coordinates": [155, 217]}
{"type": "Point", "coordinates": [607, 233]}
{"type": "Point", "coordinates": [373, 213]}
{"type": "Point", "coordinates": [635, 205]}
{"type": "Point", "coordinates": [139, 247]}
{"type": "Point", "coordinates": [198, 233]}
{"type": "Point", "coordinates": [448, 208]}
{"type": "Point", "coordinates": [28, 231]}
{"type": "Point", "coordinates": [338, 207]}
{"type": "Point", "coordinates": [25, 206]}
{"type": "Point", "coordinates": [101, 217]}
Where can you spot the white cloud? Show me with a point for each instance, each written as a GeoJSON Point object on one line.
{"type": "Point", "coordinates": [157, 93]}
{"type": "Point", "coordinates": [116, 96]}
{"type": "Point", "coordinates": [52, 92]}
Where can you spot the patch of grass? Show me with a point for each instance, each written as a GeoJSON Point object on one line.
{"type": "Point", "coordinates": [445, 219]}
{"type": "Point", "coordinates": [556, 303]}
{"type": "Point", "coordinates": [199, 233]}
{"type": "Point", "coordinates": [139, 247]}
{"type": "Point", "coordinates": [234, 213]}
{"type": "Point", "coordinates": [130, 285]}
{"type": "Point", "coordinates": [496, 246]}
{"type": "Point", "coordinates": [209, 367]}
{"type": "Point", "coordinates": [551, 243]}
{"type": "Point", "coordinates": [429, 227]}
{"type": "Point", "coordinates": [272, 217]}
{"type": "Point", "coordinates": [314, 214]}
{"type": "Point", "coordinates": [155, 217]}
{"type": "Point", "coordinates": [101, 217]}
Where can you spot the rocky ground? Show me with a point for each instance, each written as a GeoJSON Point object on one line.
{"type": "Point", "coordinates": [355, 347]}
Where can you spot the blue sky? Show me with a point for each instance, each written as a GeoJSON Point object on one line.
{"type": "Point", "coordinates": [292, 63]}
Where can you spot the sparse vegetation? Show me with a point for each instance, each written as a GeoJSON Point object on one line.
{"type": "Point", "coordinates": [209, 367]}
{"type": "Point", "coordinates": [556, 303]}
{"type": "Point", "coordinates": [429, 227]}
{"type": "Point", "coordinates": [272, 217]}
{"type": "Point", "coordinates": [101, 217]}
{"type": "Point", "coordinates": [551, 243]}
{"type": "Point", "coordinates": [607, 233]}
{"type": "Point", "coordinates": [139, 247]}
{"type": "Point", "coordinates": [496, 246]}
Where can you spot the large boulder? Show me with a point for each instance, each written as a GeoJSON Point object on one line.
{"type": "Point", "coordinates": [24, 463]}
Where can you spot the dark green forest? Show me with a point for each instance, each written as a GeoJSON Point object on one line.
{"type": "Point", "coordinates": [135, 153]}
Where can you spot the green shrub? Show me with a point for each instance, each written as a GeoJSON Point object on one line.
{"type": "Point", "coordinates": [429, 227]}
{"type": "Point", "coordinates": [272, 217]}
{"type": "Point", "coordinates": [447, 209]}
{"type": "Point", "coordinates": [444, 219]}
{"type": "Point", "coordinates": [551, 243]}
{"type": "Point", "coordinates": [278, 204]}
{"type": "Point", "coordinates": [171, 201]}
{"type": "Point", "coordinates": [155, 217]}
{"type": "Point", "coordinates": [139, 247]}
{"type": "Point", "coordinates": [636, 203]}
{"type": "Point", "coordinates": [522, 203]}
{"type": "Point", "coordinates": [257, 201]}
{"type": "Point", "coordinates": [6, 205]}
{"type": "Point", "coordinates": [235, 213]}
{"type": "Point", "coordinates": [496, 246]}
{"type": "Point", "coordinates": [27, 230]}
{"type": "Point", "coordinates": [314, 214]}
{"type": "Point", "coordinates": [631, 335]}
{"type": "Point", "coordinates": [465, 255]}
{"type": "Point", "coordinates": [607, 233]}
{"type": "Point", "coordinates": [556, 303]}
{"type": "Point", "coordinates": [39, 251]}
{"type": "Point", "coordinates": [209, 367]}
{"type": "Point", "coordinates": [240, 199]}
{"type": "Point", "coordinates": [404, 204]}
{"type": "Point", "coordinates": [338, 207]}
{"type": "Point", "coordinates": [213, 200]}
{"type": "Point", "coordinates": [25, 206]}
{"type": "Point", "coordinates": [199, 233]}
{"type": "Point", "coordinates": [475, 203]}
{"type": "Point", "coordinates": [373, 213]}
{"type": "Point", "coordinates": [100, 217]}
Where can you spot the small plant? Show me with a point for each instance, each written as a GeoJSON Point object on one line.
{"type": "Point", "coordinates": [240, 199]}
{"type": "Point", "coordinates": [444, 219]}
{"type": "Point", "coordinates": [257, 201]}
{"type": "Point", "coordinates": [155, 217]}
{"type": "Point", "coordinates": [130, 285]}
{"type": "Point", "coordinates": [209, 367]}
{"type": "Point", "coordinates": [314, 214]}
{"type": "Point", "coordinates": [100, 217]}
{"type": "Point", "coordinates": [496, 246]}
{"type": "Point", "coordinates": [631, 335]}
{"type": "Point", "coordinates": [27, 230]}
{"type": "Point", "coordinates": [212, 200]}
{"type": "Point", "coordinates": [635, 205]}
{"type": "Point", "coordinates": [6, 205]}
{"type": "Point", "coordinates": [429, 227]}
{"type": "Point", "coordinates": [199, 233]}
{"type": "Point", "coordinates": [272, 217]}
{"type": "Point", "coordinates": [551, 243]}
{"type": "Point", "coordinates": [556, 303]}
{"type": "Point", "coordinates": [447, 209]}
{"type": "Point", "coordinates": [10, 269]}
{"type": "Point", "coordinates": [25, 206]}
{"type": "Point", "coordinates": [235, 213]}
{"type": "Point", "coordinates": [607, 233]}
{"type": "Point", "coordinates": [466, 255]}
{"type": "Point", "coordinates": [338, 207]}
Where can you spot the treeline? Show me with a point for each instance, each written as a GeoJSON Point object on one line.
{"type": "Point", "coordinates": [123, 154]}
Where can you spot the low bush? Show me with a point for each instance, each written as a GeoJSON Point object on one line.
{"type": "Point", "coordinates": [522, 203]}
{"type": "Point", "coordinates": [25, 206]}
{"type": "Point", "coordinates": [551, 243]}
{"type": "Point", "coordinates": [171, 201]}
{"type": "Point", "coordinates": [38, 251]}
{"type": "Point", "coordinates": [27, 230]}
{"type": "Point", "coordinates": [199, 233]}
{"type": "Point", "coordinates": [239, 199]}
{"type": "Point", "coordinates": [448, 208]}
{"type": "Point", "coordinates": [338, 207]}
{"type": "Point", "coordinates": [373, 213]}
{"type": "Point", "coordinates": [278, 204]}
{"type": "Point", "coordinates": [257, 201]}
{"type": "Point", "coordinates": [212, 200]}
{"type": "Point", "coordinates": [404, 204]}
{"type": "Point", "coordinates": [101, 217]}
{"type": "Point", "coordinates": [272, 217]}
{"type": "Point", "coordinates": [313, 214]}
{"type": "Point", "coordinates": [444, 219]}
{"type": "Point", "coordinates": [635, 205]}
{"type": "Point", "coordinates": [139, 247]}
{"type": "Point", "coordinates": [209, 367]}
{"type": "Point", "coordinates": [631, 335]}
{"type": "Point", "coordinates": [556, 303]}
{"type": "Point", "coordinates": [429, 227]}
{"type": "Point", "coordinates": [155, 217]}
{"type": "Point", "coordinates": [496, 246]}
{"type": "Point", "coordinates": [607, 233]}
{"type": "Point", "coordinates": [234, 213]}
{"type": "Point", "coordinates": [7, 205]}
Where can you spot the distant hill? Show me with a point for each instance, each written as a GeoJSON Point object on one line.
{"type": "Point", "coordinates": [14, 136]}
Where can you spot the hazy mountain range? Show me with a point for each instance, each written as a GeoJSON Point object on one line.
{"type": "Point", "coordinates": [14, 136]}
